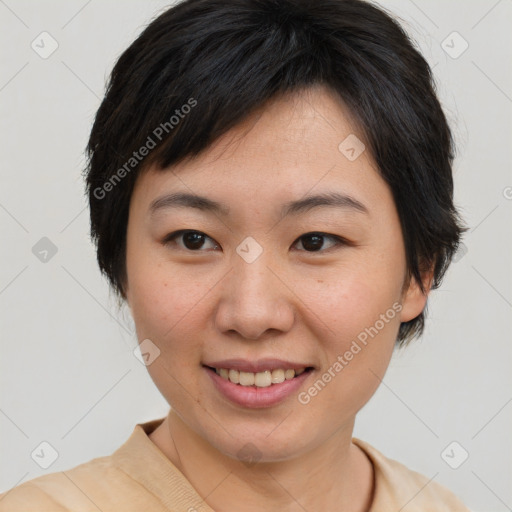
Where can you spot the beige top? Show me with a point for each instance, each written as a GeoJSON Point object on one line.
{"type": "Point", "coordinates": [139, 477]}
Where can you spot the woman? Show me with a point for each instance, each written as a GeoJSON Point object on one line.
{"type": "Point", "coordinates": [271, 193]}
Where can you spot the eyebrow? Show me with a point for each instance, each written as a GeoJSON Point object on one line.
{"type": "Point", "coordinates": [188, 200]}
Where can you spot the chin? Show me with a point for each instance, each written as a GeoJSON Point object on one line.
{"type": "Point", "coordinates": [256, 443]}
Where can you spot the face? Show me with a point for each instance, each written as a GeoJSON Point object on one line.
{"type": "Point", "coordinates": [257, 286]}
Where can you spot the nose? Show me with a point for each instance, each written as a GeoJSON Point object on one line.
{"type": "Point", "coordinates": [255, 300]}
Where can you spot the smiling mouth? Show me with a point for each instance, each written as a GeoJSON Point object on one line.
{"type": "Point", "coordinates": [262, 379]}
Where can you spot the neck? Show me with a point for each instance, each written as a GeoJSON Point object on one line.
{"type": "Point", "coordinates": [334, 476]}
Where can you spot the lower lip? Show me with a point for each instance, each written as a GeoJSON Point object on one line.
{"type": "Point", "coordinates": [253, 396]}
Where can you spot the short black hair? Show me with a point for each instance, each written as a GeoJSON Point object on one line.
{"type": "Point", "coordinates": [202, 66]}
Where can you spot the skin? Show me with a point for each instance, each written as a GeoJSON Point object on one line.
{"type": "Point", "coordinates": [290, 303]}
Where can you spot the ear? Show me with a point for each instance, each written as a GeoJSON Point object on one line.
{"type": "Point", "coordinates": [413, 299]}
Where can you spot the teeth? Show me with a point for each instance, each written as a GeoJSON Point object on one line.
{"type": "Point", "coordinates": [261, 379]}
{"type": "Point", "coordinates": [289, 374]}
{"type": "Point", "coordinates": [234, 376]}
{"type": "Point", "coordinates": [277, 376]}
{"type": "Point", "coordinates": [246, 379]}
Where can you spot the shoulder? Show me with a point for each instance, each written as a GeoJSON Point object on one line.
{"type": "Point", "coordinates": [397, 486]}
{"type": "Point", "coordinates": [125, 480]}
{"type": "Point", "coordinates": [70, 490]}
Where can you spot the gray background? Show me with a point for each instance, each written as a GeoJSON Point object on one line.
{"type": "Point", "coordinates": [68, 374]}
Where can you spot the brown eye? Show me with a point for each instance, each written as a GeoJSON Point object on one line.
{"type": "Point", "coordinates": [314, 242]}
{"type": "Point", "coordinates": [190, 240]}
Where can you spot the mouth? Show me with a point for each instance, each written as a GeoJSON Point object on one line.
{"type": "Point", "coordinates": [261, 379]}
{"type": "Point", "coordinates": [261, 384]}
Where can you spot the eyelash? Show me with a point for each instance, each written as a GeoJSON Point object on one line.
{"type": "Point", "coordinates": [339, 240]}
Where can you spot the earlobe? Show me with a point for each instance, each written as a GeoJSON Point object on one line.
{"type": "Point", "coordinates": [413, 299]}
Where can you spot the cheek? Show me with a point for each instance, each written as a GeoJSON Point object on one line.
{"type": "Point", "coordinates": [353, 297]}
{"type": "Point", "coordinates": [167, 309]}
{"type": "Point", "coordinates": [165, 305]}
{"type": "Point", "coordinates": [362, 310]}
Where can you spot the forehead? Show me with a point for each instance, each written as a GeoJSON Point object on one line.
{"type": "Point", "coordinates": [294, 146]}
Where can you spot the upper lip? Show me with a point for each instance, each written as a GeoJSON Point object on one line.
{"type": "Point", "coordinates": [260, 365]}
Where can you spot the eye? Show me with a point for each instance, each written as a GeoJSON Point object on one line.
{"type": "Point", "coordinates": [314, 242]}
{"type": "Point", "coordinates": [194, 241]}
{"type": "Point", "coordinates": [191, 240]}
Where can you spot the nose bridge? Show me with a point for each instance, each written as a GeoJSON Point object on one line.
{"type": "Point", "coordinates": [253, 280]}
{"type": "Point", "coordinates": [251, 266]}
{"type": "Point", "coordinates": [255, 299]}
